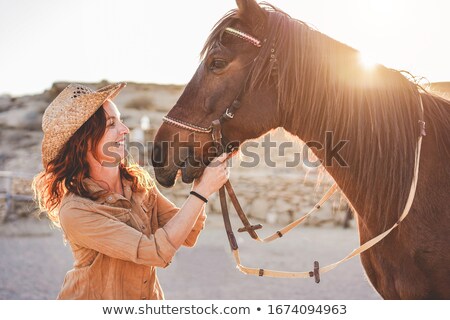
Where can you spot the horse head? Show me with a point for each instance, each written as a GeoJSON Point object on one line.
{"type": "Point", "coordinates": [235, 57]}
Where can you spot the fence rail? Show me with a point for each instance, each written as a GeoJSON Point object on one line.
{"type": "Point", "coordinates": [9, 196]}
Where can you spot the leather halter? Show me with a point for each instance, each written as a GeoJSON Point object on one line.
{"type": "Point", "coordinates": [215, 129]}
{"type": "Point", "coordinates": [235, 105]}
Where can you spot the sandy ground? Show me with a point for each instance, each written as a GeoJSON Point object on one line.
{"type": "Point", "coordinates": [34, 261]}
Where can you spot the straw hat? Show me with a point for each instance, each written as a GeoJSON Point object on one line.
{"type": "Point", "coordinates": [68, 112]}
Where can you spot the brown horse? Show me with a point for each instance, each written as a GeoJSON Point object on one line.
{"type": "Point", "coordinates": [286, 74]}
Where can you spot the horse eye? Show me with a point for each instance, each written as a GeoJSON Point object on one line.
{"type": "Point", "coordinates": [218, 64]}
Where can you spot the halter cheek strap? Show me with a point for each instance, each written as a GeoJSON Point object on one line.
{"type": "Point", "coordinates": [235, 105]}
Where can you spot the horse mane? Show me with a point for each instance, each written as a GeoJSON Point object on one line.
{"type": "Point", "coordinates": [322, 85]}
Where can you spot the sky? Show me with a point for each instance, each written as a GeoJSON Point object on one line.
{"type": "Point", "coordinates": [159, 41]}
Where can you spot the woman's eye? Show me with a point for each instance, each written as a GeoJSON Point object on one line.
{"type": "Point", "coordinates": [113, 122]}
{"type": "Point", "coordinates": [218, 64]}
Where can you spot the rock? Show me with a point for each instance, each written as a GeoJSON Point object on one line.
{"type": "Point", "coordinates": [5, 103]}
{"type": "Point", "coordinates": [285, 217]}
{"type": "Point", "coordinates": [259, 208]}
{"type": "Point", "coordinates": [26, 115]}
{"type": "Point", "coordinates": [283, 205]}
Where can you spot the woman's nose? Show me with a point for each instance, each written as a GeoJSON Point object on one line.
{"type": "Point", "coordinates": [124, 129]}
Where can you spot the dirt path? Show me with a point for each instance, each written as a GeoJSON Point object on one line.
{"type": "Point", "coordinates": [34, 261]}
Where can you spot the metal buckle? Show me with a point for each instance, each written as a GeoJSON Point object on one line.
{"type": "Point", "coordinates": [216, 131]}
{"type": "Point", "coordinates": [316, 272]}
{"type": "Point", "coordinates": [229, 114]}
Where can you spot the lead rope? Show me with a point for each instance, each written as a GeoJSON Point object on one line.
{"type": "Point", "coordinates": [278, 234]}
{"type": "Point", "coordinates": [317, 270]}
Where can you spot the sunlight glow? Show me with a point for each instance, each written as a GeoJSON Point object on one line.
{"type": "Point", "coordinates": [367, 61]}
{"type": "Point", "coordinates": [400, 34]}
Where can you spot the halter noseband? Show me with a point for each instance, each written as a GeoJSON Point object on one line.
{"type": "Point", "coordinates": [186, 125]}
{"type": "Point", "coordinates": [229, 112]}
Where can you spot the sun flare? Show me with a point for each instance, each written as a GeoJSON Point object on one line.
{"type": "Point", "coordinates": [367, 61]}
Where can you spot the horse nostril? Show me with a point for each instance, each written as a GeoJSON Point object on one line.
{"type": "Point", "coordinates": [157, 155]}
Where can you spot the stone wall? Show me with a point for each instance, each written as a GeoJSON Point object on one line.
{"type": "Point", "coordinates": [280, 200]}
{"type": "Point", "coordinates": [266, 199]}
{"type": "Point", "coordinates": [270, 191]}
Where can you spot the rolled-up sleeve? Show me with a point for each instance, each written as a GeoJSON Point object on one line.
{"type": "Point", "coordinates": [85, 227]}
{"type": "Point", "coordinates": [166, 210]}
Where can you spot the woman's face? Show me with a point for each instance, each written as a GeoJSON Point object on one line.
{"type": "Point", "coordinates": [111, 147]}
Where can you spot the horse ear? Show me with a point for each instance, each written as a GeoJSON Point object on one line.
{"type": "Point", "coordinates": [251, 12]}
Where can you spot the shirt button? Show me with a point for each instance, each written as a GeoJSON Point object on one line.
{"type": "Point", "coordinates": [143, 298]}
{"type": "Point", "coordinates": [145, 281]}
{"type": "Point", "coordinates": [109, 198]}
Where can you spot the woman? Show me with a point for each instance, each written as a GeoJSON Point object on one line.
{"type": "Point", "coordinates": [119, 226]}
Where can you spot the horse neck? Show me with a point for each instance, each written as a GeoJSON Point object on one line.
{"type": "Point", "coordinates": [322, 87]}
{"type": "Point", "coordinates": [374, 178]}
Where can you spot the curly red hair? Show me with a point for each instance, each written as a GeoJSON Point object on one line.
{"type": "Point", "coordinates": [66, 172]}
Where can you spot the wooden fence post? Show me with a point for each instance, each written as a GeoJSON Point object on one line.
{"type": "Point", "coordinates": [9, 196]}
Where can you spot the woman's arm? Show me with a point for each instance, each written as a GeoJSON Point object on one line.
{"type": "Point", "coordinates": [166, 210]}
{"type": "Point", "coordinates": [214, 177]}
{"type": "Point", "coordinates": [86, 227]}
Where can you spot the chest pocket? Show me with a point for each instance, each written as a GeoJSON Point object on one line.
{"type": "Point", "coordinates": [124, 216]}
{"type": "Point", "coordinates": [119, 213]}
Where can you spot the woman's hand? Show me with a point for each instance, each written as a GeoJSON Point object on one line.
{"type": "Point", "coordinates": [214, 177]}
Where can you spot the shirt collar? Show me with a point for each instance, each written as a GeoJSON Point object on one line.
{"type": "Point", "coordinates": [106, 195]}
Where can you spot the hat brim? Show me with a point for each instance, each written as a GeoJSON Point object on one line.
{"type": "Point", "coordinates": [112, 89]}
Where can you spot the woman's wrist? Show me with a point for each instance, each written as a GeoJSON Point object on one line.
{"type": "Point", "coordinates": [199, 196]}
{"type": "Point", "coordinates": [201, 191]}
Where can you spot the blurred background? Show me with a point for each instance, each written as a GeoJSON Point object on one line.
{"type": "Point", "coordinates": [155, 46]}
